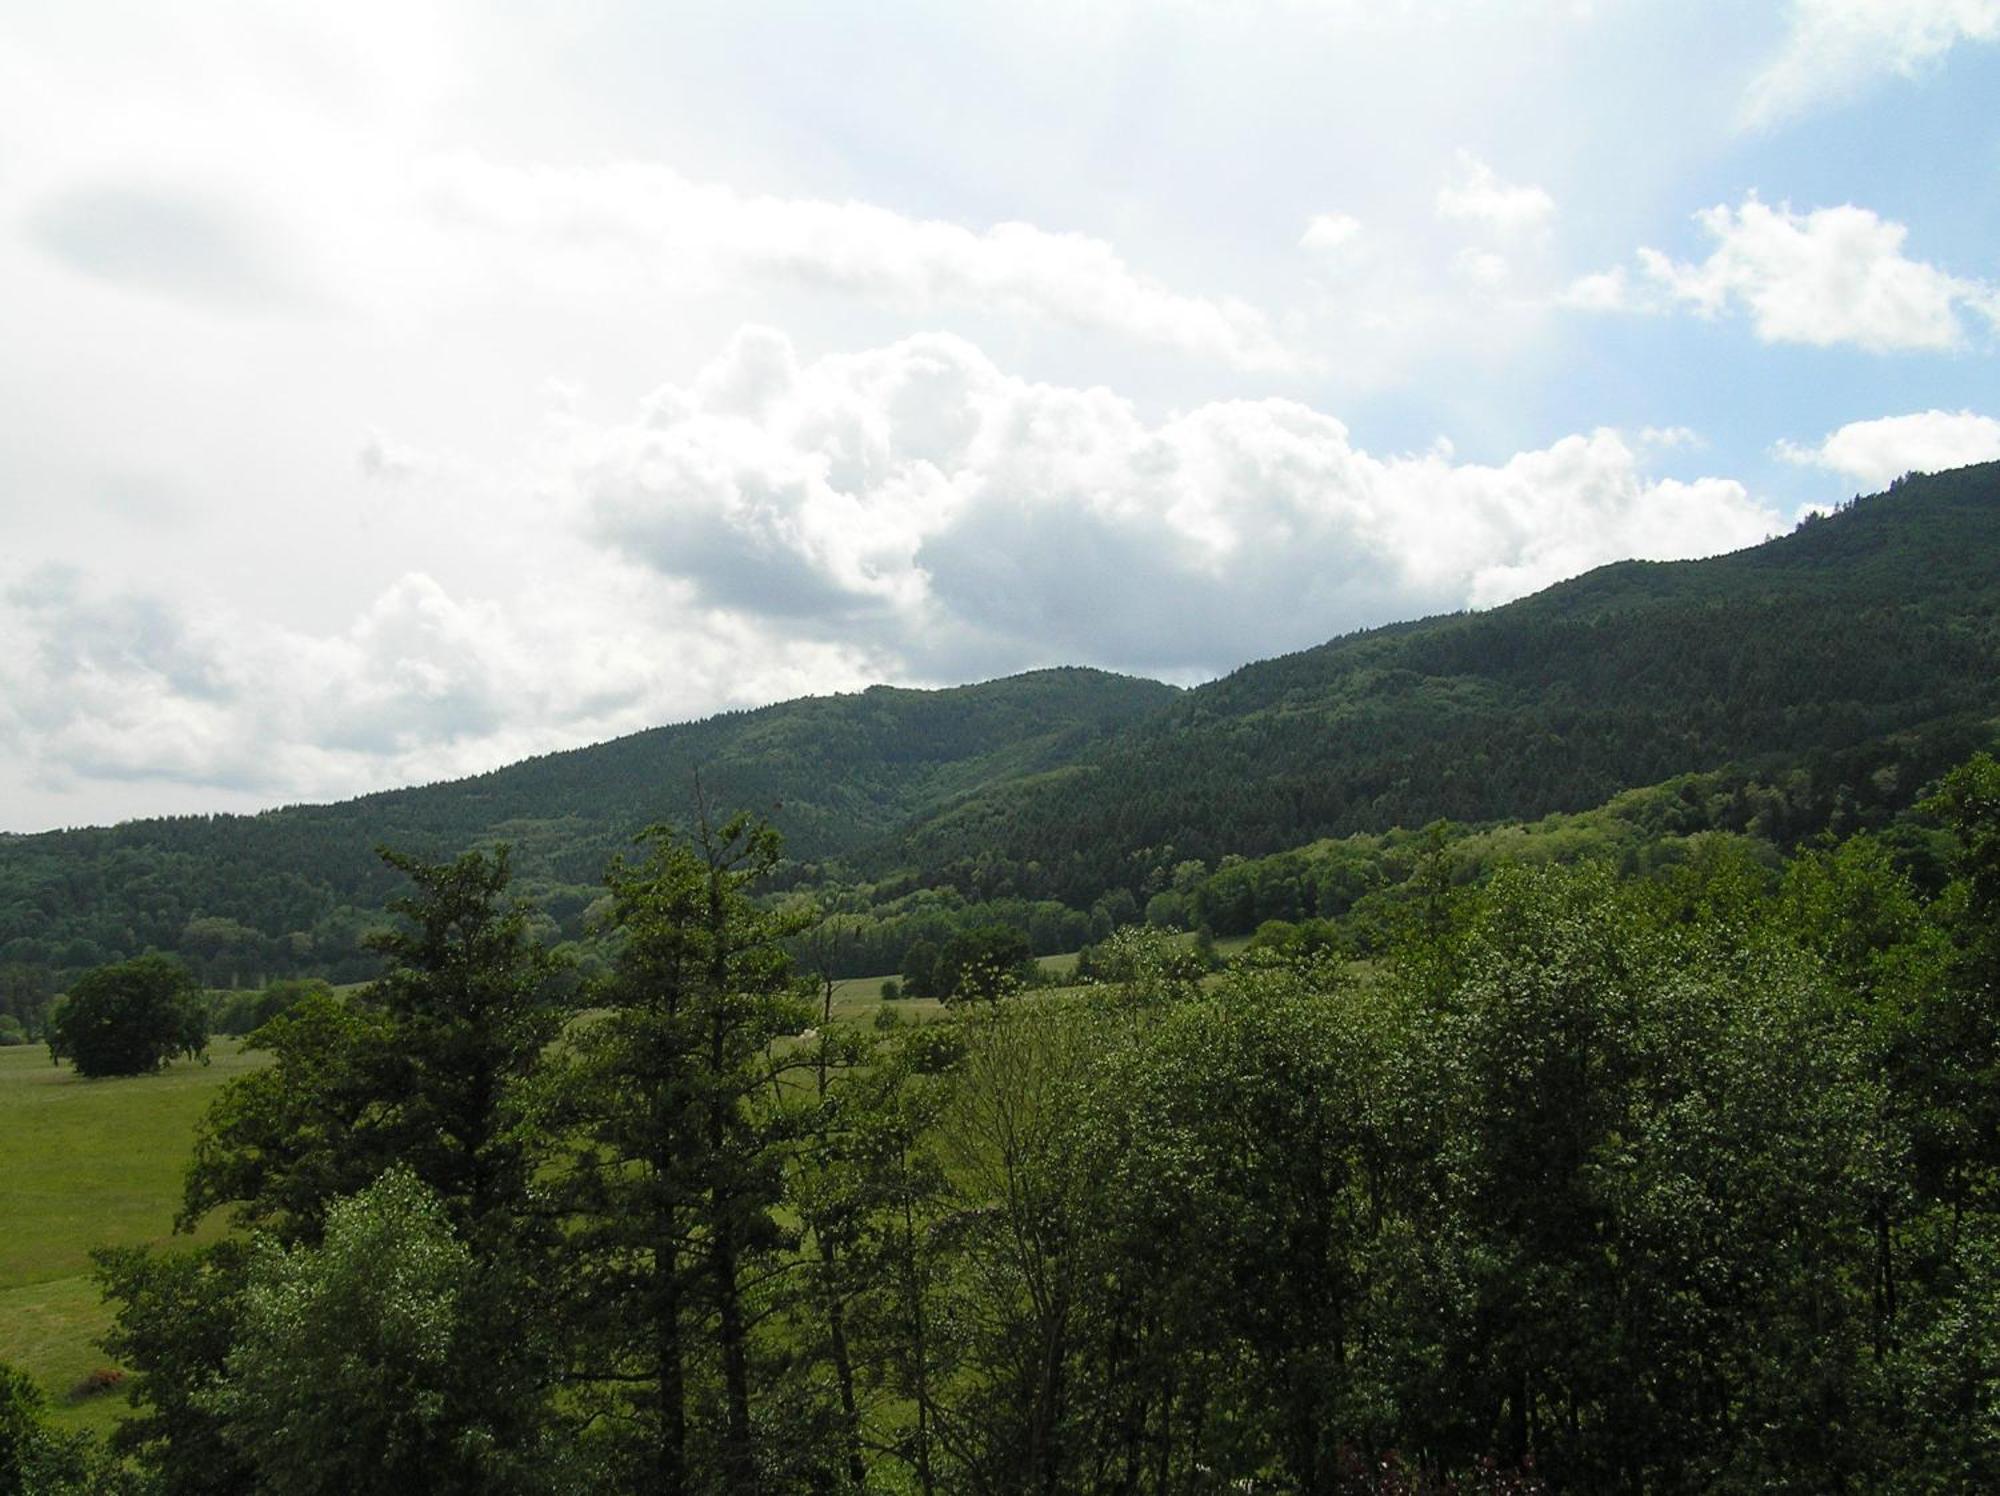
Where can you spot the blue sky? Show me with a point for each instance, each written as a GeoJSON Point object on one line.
{"type": "Point", "coordinates": [396, 390]}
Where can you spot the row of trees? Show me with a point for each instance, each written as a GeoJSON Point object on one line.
{"type": "Point", "coordinates": [1686, 1183]}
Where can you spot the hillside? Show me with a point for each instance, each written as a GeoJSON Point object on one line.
{"type": "Point", "coordinates": [293, 888]}
{"type": "Point", "coordinates": [1855, 658]}
{"type": "Point", "coordinates": [1865, 646]}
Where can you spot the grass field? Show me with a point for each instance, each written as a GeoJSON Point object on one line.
{"type": "Point", "coordinates": [86, 1163]}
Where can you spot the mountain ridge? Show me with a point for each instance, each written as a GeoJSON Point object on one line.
{"type": "Point", "coordinates": [1878, 624]}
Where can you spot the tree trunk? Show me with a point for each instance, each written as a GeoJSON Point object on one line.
{"type": "Point", "coordinates": [843, 1373]}
{"type": "Point", "coordinates": [670, 1398]}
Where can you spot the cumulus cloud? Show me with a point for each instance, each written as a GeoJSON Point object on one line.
{"type": "Point", "coordinates": [921, 501]}
{"type": "Point", "coordinates": [779, 526]}
{"type": "Point", "coordinates": [1833, 47]}
{"type": "Point", "coordinates": [1475, 194]}
{"type": "Point", "coordinates": [1482, 267]}
{"type": "Point", "coordinates": [1876, 452]}
{"type": "Point", "coordinates": [857, 248]}
{"type": "Point", "coordinates": [117, 684]}
{"type": "Point", "coordinates": [1830, 276]}
{"type": "Point", "coordinates": [388, 461]}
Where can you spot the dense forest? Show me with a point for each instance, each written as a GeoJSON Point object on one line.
{"type": "Point", "coordinates": [1817, 682]}
{"type": "Point", "coordinates": [295, 891]}
{"type": "Point", "coordinates": [1864, 647]}
{"type": "Point", "coordinates": [1681, 1180]}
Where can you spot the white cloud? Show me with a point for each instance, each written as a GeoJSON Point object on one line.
{"type": "Point", "coordinates": [918, 499]}
{"type": "Point", "coordinates": [1606, 291]}
{"type": "Point", "coordinates": [1330, 233]}
{"type": "Point", "coordinates": [388, 461]}
{"type": "Point", "coordinates": [780, 526]}
{"type": "Point", "coordinates": [1876, 452]}
{"type": "Point", "coordinates": [1827, 277]}
{"type": "Point", "coordinates": [1669, 437]}
{"type": "Point", "coordinates": [1476, 194]}
{"type": "Point", "coordinates": [1833, 47]}
{"type": "Point", "coordinates": [656, 215]}
{"type": "Point", "coordinates": [111, 687]}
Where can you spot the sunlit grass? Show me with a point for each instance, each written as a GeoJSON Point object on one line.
{"type": "Point", "coordinates": [87, 1163]}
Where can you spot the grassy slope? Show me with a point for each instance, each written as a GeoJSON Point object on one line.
{"type": "Point", "coordinates": [87, 1163]}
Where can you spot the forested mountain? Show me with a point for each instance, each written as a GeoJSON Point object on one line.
{"type": "Point", "coordinates": [1826, 676]}
{"type": "Point", "coordinates": [1862, 650]}
{"type": "Point", "coordinates": [292, 888]}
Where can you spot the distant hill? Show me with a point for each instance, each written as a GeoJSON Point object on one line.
{"type": "Point", "coordinates": [834, 773]}
{"type": "Point", "coordinates": [1857, 656]}
{"type": "Point", "coordinates": [1865, 646]}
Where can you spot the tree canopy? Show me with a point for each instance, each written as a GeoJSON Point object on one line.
{"type": "Point", "coordinates": [130, 1018]}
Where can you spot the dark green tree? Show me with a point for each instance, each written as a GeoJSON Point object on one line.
{"type": "Point", "coordinates": [281, 1143]}
{"type": "Point", "coordinates": [130, 1018]}
{"type": "Point", "coordinates": [920, 969]}
{"type": "Point", "coordinates": [175, 1318]}
{"type": "Point", "coordinates": [983, 964]}
{"type": "Point", "coordinates": [470, 999]}
{"type": "Point", "coordinates": [434, 1070]}
{"type": "Point", "coordinates": [680, 1169]}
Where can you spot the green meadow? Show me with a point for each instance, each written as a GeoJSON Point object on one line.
{"type": "Point", "coordinates": [87, 1163]}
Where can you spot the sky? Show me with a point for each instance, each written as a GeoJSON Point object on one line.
{"type": "Point", "coordinates": [391, 391]}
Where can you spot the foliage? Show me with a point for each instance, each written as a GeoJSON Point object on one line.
{"type": "Point", "coordinates": [1842, 667]}
{"type": "Point", "coordinates": [1673, 1178]}
{"type": "Point", "coordinates": [984, 963]}
{"type": "Point", "coordinates": [245, 1012]}
{"type": "Point", "coordinates": [436, 1072]}
{"type": "Point", "coordinates": [345, 1368]}
{"type": "Point", "coordinates": [177, 1316]}
{"type": "Point", "coordinates": [35, 1460]}
{"type": "Point", "coordinates": [281, 1143]}
{"type": "Point", "coordinates": [129, 1018]}
{"type": "Point", "coordinates": [678, 1168]}
{"type": "Point", "coordinates": [296, 892]}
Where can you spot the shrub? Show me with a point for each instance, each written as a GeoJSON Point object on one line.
{"type": "Point", "coordinates": [100, 1381]}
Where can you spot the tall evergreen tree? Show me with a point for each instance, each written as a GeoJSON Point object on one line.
{"type": "Point", "coordinates": [675, 1187]}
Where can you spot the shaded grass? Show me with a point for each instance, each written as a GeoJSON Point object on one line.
{"type": "Point", "coordinates": [87, 1163]}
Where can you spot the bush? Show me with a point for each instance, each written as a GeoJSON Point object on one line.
{"type": "Point", "coordinates": [891, 990]}
{"type": "Point", "coordinates": [99, 1381]}
{"type": "Point", "coordinates": [11, 1031]}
